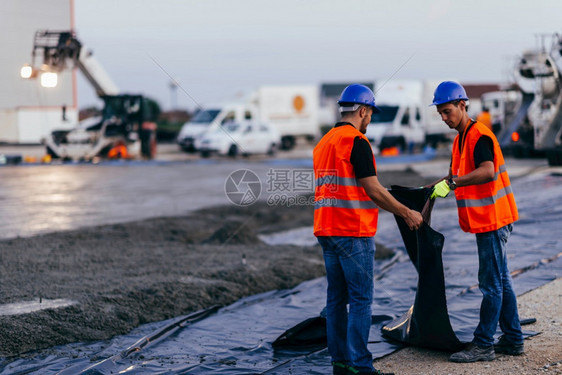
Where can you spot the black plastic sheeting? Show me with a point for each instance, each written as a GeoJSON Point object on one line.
{"type": "Point", "coordinates": [426, 323]}
{"type": "Point", "coordinates": [237, 339]}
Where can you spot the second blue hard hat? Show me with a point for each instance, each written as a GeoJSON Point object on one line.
{"type": "Point", "coordinates": [448, 91]}
{"type": "Point", "coordinates": [358, 94]}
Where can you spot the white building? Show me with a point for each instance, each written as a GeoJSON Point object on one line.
{"type": "Point", "coordinates": [29, 111]}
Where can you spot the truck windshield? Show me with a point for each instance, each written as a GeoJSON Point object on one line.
{"type": "Point", "coordinates": [205, 116]}
{"type": "Point", "coordinates": [387, 114]}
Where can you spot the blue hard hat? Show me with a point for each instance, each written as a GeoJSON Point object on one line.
{"type": "Point", "coordinates": [358, 94]}
{"type": "Point", "coordinates": [448, 91]}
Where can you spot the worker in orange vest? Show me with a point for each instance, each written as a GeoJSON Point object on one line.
{"type": "Point", "coordinates": [485, 118]}
{"type": "Point", "coordinates": [486, 207]}
{"type": "Point", "coordinates": [347, 197]}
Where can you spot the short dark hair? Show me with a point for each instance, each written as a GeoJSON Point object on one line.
{"type": "Point", "coordinates": [456, 103]}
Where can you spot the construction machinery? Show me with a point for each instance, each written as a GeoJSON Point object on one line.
{"type": "Point", "coordinates": [126, 127]}
{"type": "Point", "coordinates": [537, 126]}
{"type": "Point", "coordinates": [547, 114]}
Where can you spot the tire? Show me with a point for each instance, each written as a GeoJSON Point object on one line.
{"type": "Point", "coordinates": [554, 158]}
{"type": "Point", "coordinates": [205, 154]}
{"type": "Point", "coordinates": [520, 152]}
{"type": "Point", "coordinates": [433, 141]}
{"type": "Point", "coordinates": [393, 141]}
{"type": "Point", "coordinates": [272, 150]}
{"type": "Point", "coordinates": [233, 151]}
{"type": "Point", "coordinates": [384, 144]}
{"type": "Point", "coordinates": [287, 142]}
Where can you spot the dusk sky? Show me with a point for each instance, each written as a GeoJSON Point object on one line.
{"type": "Point", "coordinates": [218, 49]}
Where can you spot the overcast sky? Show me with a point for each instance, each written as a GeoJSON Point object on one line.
{"type": "Point", "coordinates": [216, 49]}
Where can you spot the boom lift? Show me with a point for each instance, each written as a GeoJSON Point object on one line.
{"type": "Point", "coordinates": [127, 125]}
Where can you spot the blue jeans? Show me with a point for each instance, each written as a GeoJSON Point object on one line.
{"type": "Point", "coordinates": [499, 303]}
{"type": "Point", "coordinates": [349, 269]}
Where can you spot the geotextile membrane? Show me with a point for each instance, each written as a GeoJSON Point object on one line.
{"type": "Point", "coordinates": [238, 339]}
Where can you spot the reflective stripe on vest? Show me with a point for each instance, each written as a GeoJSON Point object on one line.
{"type": "Point", "coordinates": [341, 203]}
{"type": "Point", "coordinates": [336, 180]}
{"type": "Point", "coordinates": [484, 201]}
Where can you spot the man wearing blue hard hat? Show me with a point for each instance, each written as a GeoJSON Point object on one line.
{"type": "Point", "coordinates": [486, 207]}
{"type": "Point", "coordinates": [347, 196]}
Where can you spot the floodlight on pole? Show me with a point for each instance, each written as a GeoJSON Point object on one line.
{"type": "Point", "coordinates": [49, 79]}
{"type": "Point", "coordinates": [26, 71]}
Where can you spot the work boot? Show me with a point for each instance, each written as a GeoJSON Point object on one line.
{"type": "Point", "coordinates": [353, 371]}
{"type": "Point", "coordinates": [504, 346]}
{"type": "Point", "coordinates": [474, 353]}
{"type": "Point", "coordinates": [339, 368]}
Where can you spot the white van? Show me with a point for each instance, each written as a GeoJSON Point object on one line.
{"type": "Point", "coordinates": [209, 119]}
{"type": "Point", "coordinates": [291, 109]}
{"type": "Point", "coordinates": [239, 138]}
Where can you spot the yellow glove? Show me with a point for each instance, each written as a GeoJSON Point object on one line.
{"type": "Point", "coordinates": [440, 190]}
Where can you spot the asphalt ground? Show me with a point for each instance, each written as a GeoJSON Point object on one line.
{"type": "Point", "coordinates": [41, 198]}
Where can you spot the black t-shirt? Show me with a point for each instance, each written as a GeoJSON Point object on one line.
{"type": "Point", "coordinates": [483, 150]}
{"type": "Point", "coordinates": [361, 156]}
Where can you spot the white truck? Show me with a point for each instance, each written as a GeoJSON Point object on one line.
{"type": "Point", "coordinates": [292, 109]}
{"type": "Point", "coordinates": [406, 120]}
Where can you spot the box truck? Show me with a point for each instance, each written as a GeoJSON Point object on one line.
{"type": "Point", "coordinates": [292, 109]}
{"type": "Point", "coordinates": [406, 119]}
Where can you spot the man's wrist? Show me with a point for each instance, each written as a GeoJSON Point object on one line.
{"type": "Point", "coordinates": [452, 184]}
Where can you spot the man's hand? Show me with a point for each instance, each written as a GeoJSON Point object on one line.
{"type": "Point", "coordinates": [440, 190]}
{"type": "Point", "coordinates": [413, 219]}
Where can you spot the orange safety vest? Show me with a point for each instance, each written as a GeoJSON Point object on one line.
{"type": "Point", "coordinates": [342, 207]}
{"type": "Point", "coordinates": [484, 207]}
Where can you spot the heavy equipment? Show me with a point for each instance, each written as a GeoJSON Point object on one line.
{"type": "Point", "coordinates": [126, 127]}
{"type": "Point", "coordinates": [537, 126]}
